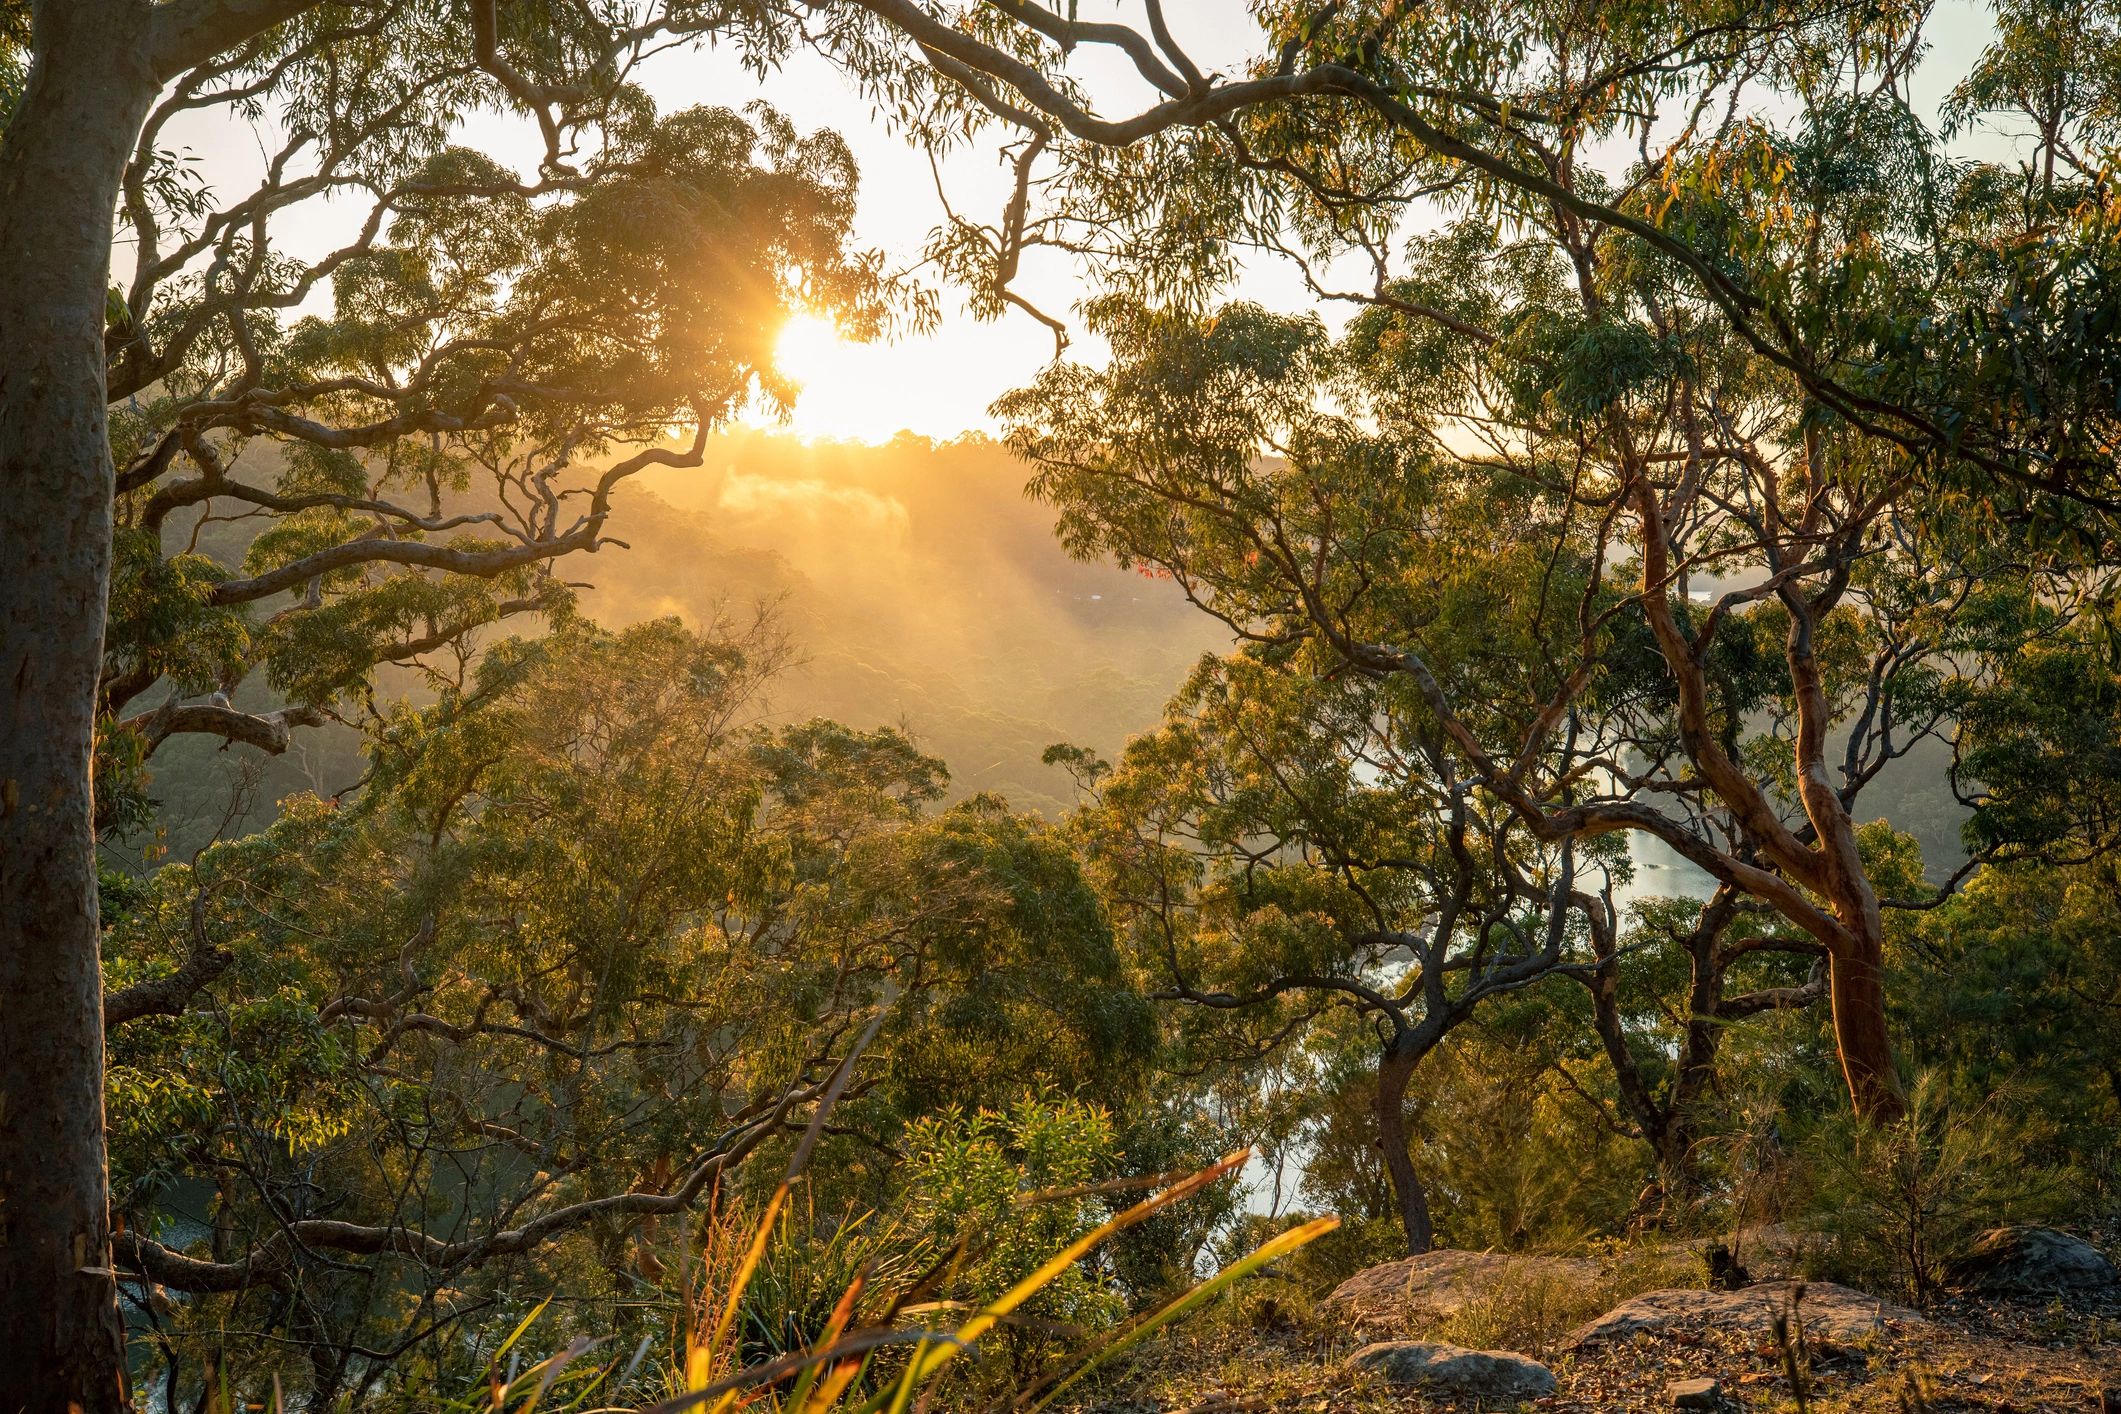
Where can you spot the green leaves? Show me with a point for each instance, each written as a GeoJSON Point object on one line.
{"type": "Point", "coordinates": [587, 919]}
{"type": "Point", "coordinates": [163, 621]}
{"type": "Point", "coordinates": [979, 1176]}
{"type": "Point", "coordinates": [2042, 738]}
{"type": "Point", "coordinates": [1564, 372]}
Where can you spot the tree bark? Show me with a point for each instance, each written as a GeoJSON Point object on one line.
{"type": "Point", "coordinates": [1659, 1124]}
{"type": "Point", "coordinates": [1857, 960]}
{"type": "Point", "coordinates": [1394, 1070]}
{"type": "Point", "coordinates": [61, 162]}
{"type": "Point", "coordinates": [1856, 983]}
{"type": "Point", "coordinates": [1833, 868]}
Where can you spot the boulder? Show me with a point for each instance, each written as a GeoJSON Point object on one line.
{"type": "Point", "coordinates": [1700, 1393]}
{"type": "Point", "coordinates": [1397, 1296]}
{"type": "Point", "coordinates": [1831, 1313]}
{"type": "Point", "coordinates": [2028, 1260]}
{"type": "Point", "coordinates": [1500, 1376]}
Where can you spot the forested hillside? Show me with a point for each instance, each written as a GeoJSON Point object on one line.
{"type": "Point", "coordinates": [1494, 783]}
{"type": "Point", "coordinates": [914, 585]}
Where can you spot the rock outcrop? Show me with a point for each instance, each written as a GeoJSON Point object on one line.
{"type": "Point", "coordinates": [2027, 1261]}
{"type": "Point", "coordinates": [1837, 1314]}
{"type": "Point", "coordinates": [1483, 1376]}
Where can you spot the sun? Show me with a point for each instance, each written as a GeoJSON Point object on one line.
{"type": "Point", "coordinates": [809, 350]}
{"type": "Point", "coordinates": [851, 390]}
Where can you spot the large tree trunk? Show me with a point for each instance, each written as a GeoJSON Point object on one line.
{"type": "Point", "coordinates": [1394, 1070]}
{"type": "Point", "coordinates": [60, 165]}
{"type": "Point", "coordinates": [1856, 983]}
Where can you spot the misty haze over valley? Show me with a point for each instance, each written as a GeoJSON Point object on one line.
{"type": "Point", "coordinates": [914, 584]}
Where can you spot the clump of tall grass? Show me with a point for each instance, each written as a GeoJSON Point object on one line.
{"type": "Point", "coordinates": [873, 1355]}
{"type": "Point", "coordinates": [1897, 1201]}
{"type": "Point", "coordinates": [1539, 1301]}
{"type": "Point", "coordinates": [849, 1368]}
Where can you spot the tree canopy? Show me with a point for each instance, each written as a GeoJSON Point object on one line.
{"type": "Point", "coordinates": [585, 943]}
{"type": "Point", "coordinates": [1714, 437]}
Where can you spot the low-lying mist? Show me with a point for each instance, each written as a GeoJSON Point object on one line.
{"type": "Point", "coordinates": [917, 586]}
{"type": "Point", "coordinates": [913, 583]}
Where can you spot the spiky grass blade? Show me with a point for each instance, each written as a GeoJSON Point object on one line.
{"type": "Point", "coordinates": [927, 1364]}
{"type": "Point", "coordinates": [1266, 1254]}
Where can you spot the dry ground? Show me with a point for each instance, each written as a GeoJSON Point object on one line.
{"type": "Point", "coordinates": [1258, 1354]}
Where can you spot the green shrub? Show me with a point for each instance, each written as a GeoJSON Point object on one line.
{"type": "Point", "coordinates": [1014, 1185]}
{"type": "Point", "coordinates": [1896, 1202]}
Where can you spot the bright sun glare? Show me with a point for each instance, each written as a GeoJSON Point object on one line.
{"type": "Point", "coordinates": [868, 392]}
{"type": "Point", "coordinates": [841, 388]}
{"type": "Point", "coordinates": [809, 349]}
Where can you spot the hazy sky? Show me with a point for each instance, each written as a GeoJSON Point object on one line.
{"type": "Point", "coordinates": [939, 384]}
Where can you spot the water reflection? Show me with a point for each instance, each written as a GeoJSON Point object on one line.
{"type": "Point", "coordinates": [1661, 873]}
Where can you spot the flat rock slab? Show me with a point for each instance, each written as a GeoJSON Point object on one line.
{"type": "Point", "coordinates": [2025, 1261]}
{"type": "Point", "coordinates": [1499, 1376]}
{"type": "Point", "coordinates": [1829, 1312]}
{"type": "Point", "coordinates": [1699, 1393]}
{"type": "Point", "coordinates": [1439, 1284]}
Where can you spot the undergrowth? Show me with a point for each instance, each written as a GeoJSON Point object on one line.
{"type": "Point", "coordinates": [1537, 1302]}
{"type": "Point", "coordinates": [744, 1338]}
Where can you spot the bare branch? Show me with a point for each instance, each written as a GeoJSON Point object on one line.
{"type": "Point", "coordinates": [270, 732]}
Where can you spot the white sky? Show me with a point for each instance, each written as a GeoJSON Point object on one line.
{"type": "Point", "coordinates": [939, 384]}
{"type": "Point", "coordinates": [942, 383]}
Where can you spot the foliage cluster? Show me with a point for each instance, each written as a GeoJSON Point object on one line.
{"type": "Point", "coordinates": [1717, 451]}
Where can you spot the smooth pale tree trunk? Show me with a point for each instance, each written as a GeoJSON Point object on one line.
{"type": "Point", "coordinates": [61, 161]}
{"type": "Point", "coordinates": [1394, 1070]}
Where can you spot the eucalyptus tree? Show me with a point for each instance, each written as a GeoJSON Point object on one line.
{"type": "Point", "coordinates": [1361, 111]}
{"type": "Point", "coordinates": [589, 943]}
{"type": "Point", "coordinates": [1737, 354]}
{"type": "Point", "coordinates": [2025, 758]}
{"type": "Point", "coordinates": [1493, 498]}
{"type": "Point", "coordinates": [1286, 844]}
{"type": "Point", "coordinates": [1888, 332]}
{"type": "Point", "coordinates": [1412, 523]}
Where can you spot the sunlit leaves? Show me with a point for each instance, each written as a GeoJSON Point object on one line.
{"type": "Point", "coordinates": [162, 615]}
{"type": "Point", "coordinates": [488, 340]}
